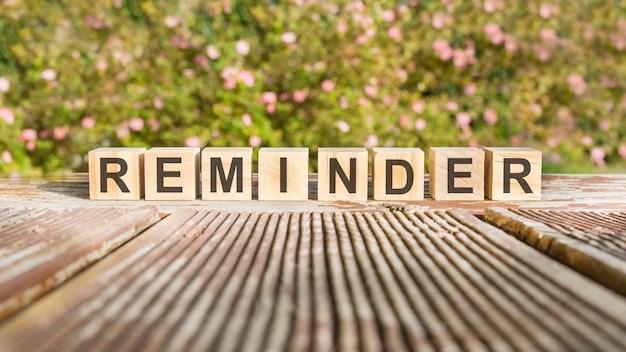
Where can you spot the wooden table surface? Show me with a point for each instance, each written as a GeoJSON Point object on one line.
{"type": "Point", "coordinates": [80, 275]}
{"type": "Point", "coordinates": [584, 192]}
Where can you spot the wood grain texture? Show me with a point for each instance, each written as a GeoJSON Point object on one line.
{"type": "Point", "coordinates": [40, 249]}
{"type": "Point", "coordinates": [391, 168]}
{"type": "Point", "coordinates": [283, 174]}
{"type": "Point", "coordinates": [350, 163]}
{"type": "Point", "coordinates": [514, 162]}
{"type": "Point", "coordinates": [172, 173]}
{"type": "Point", "coordinates": [217, 164]}
{"type": "Point", "coordinates": [411, 280]}
{"type": "Point", "coordinates": [126, 164]}
{"type": "Point", "coordinates": [565, 192]}
{"type": "Point", "coordinates": [457, 173]}
{"type": "Point", "coordinates": [592, 243]}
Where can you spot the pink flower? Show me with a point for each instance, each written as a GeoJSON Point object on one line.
{"type": "Point", "coordinates": [586, 140]}
{"type": "Point", "coordinates": [597, 155]}
{"type": "Point", "coordinates": [343, 126]}
{"type": "Point", "coordinates": [418, 106]}
{"type": "Point", "coordinates": [491, 29]}
{"type": "Point", "coordinates": [7, 158]}
{"type": "Point", "coordinates": [489, 6]}
{"type": "Point", "coordinates": [536, 109]}
{"type": "Point", "coordinates": [212, 52]}
{"type": "Point", "coordinates": [543, 52]}
{"type": "Point", "coordinates": [5, 85]}
{"type": "Point", "coordinates": [510, 44]}
{"type": "Point", "coordinates": [242, 47]}
{"type": "Point", "coordinates": [490, 117]}
{"type": "Point", "coordinates": [270, 108]}
{"type": "Point", "coordinates": [341, 27]}
{"type": "Point", "coordinates": [300, 95]}
{"type": "Point", "coordinates": [440, 45]}
{"type": "Point", "coordinates": [328, 85]}
{"type": "Point", "coordinates": [389, 16]}
{"type": "Point", "coordinates": [28, 134]}
{"type": "Point", "coordinates": [157, 103]}
{"type": "Point", "coordinates": [604, 125]}
{"type": "Point", "coordinates": [193, 141]}
{"type": "Point", "coordinates": [48, 74]}
{"type": "Point", "coordinates": [371, 141]}
{"type": "Point", "coordinates": [622, 151]}
{"type": "Point", "coordinates": [420, 124]}
{"type": "Point", "coordinates": [494, 32]}
{"type": "Point", "coordinates": [59, 133]}
{"type": "Point", "coordinates": [136, 124]}
{"type": "Point", "coordinates": [88, 122]}
{"type": "Point", "coordinates": [288, 37]}
{"type": "Point", "coordinates": [171, 21]}
{"type": "Point", "coordinates": [516, 141]}
{"type": "Point", "coordinates": [247, 77]}
{"type": "Point", "coordinates": [452, 106]}
{"type": "Point", "coordinates": [371, 91]}
{"type": "Point", "coordinates": [463, 120]}
{"type": "Point", "coordinates": [7, 115]}
{"type": "Point", "coordinates": [154, 124]}
{"type": "Point", "coordinates": [255, 141]}
{"type": "Point", "coordinates": [469, 90]}
{"type": "Point", "coordinates": [553, 141]}
{"type": "Point", "coordinates": [246, 119]}
{"type": "Point", "coordinates": [122, 131]}
{"type": "Point", "coordinates": [229, 72]}
{"type": "Point", "coordinates": [577, 82]}
{"type": "Point", "coordinates": [268, 98]}
{"type": "Point", "coordinates": [545, 11]}
{"type": "Point", "coordinates": [404, 121]}
{"type": "Point", "coordinates": [387, 100]}
{"type": "Point", "coordinates": [394, 33]}
{"type": "Point", "coordinates": [548, 35]}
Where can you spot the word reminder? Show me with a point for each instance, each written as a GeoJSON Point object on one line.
{"type": "Point", "coordinates": [397, 174]}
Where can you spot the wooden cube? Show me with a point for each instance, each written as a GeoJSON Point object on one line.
{"type": "Point", "coordinates": [227, 173]}
{"type": "Point", "coordinates": [283, 174]}
{"type": "Point", "coordinates": [116, 173]}
{"type": "Point", "coordinates": [171, 173]}
{"type": "Point", "coordinates": [457, 174]}
{"type": "Point", "coordinates": [512, 173]}
{"type": "Point", "coordinates": [342, 174]}
{"type": "Point", "coordinates": [398, 174]}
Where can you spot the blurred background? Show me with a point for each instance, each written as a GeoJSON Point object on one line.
{"type": "Point", "coordinates": [76, 75]}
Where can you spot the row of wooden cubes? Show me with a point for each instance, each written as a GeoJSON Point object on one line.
{"type": "Point", "coordinates": [397, 174]}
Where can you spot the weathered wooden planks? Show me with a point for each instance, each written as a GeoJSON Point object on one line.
{"type": "Point", "coordinates": [40, 249]}
{"type": "Point", "coordinates": [210, 280]}
{"type": "Point", "coordinates": [593, 243]}
{"type": "Point", "coordinates": [583, 192]}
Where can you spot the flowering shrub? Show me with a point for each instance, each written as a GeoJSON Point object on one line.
{"type": "Point", "coordinates": [78, 75]}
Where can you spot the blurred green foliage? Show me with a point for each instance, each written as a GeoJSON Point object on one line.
{"type": "Point", "coordinates": [77, 75]}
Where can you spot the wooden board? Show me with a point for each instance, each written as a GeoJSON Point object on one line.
{"type": "Point", "coordinates": [593, 243]}
{"type": "Point", "coordinates": [582, 192]}
{"type": "Point", "coordinates": [425, 280]}
{"type": "Point", "coordinates": [40, 249]}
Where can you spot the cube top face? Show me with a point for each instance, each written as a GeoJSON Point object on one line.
{"type": "Point", "coordinates": [174, 150]}
{"type": "Point", "coordinates": [457, 173]}
{"type": "Point", "coordinates": [227, 150]}
{"type": "Point", "coordinates": [171, 173]}
{"type": "Point", "coordinates": [513, 173]}
{"type": "Point", "coordinates": [116, 173]}
{"type": "Point", "coordinates": [283, 174]}
{"type": "Point", "coordinates": [398, 174]}
{"type": "Point", "coordinates": [342, 174]}
{"type": "Point", "coordinates": [227, 173]}
{"type": "Point", "coordinates": [284, 150]}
